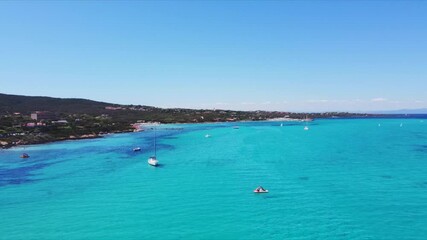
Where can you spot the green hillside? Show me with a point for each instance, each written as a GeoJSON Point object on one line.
{"type": "Point", "coordinates": [82, 118]}
{"type": "Point", "coordinates": [27, 104]}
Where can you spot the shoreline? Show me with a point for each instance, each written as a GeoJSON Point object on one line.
{"type": "Point", "coordinates": [70, 138]}
{"type": "Point", "coordinates": [95, 136]}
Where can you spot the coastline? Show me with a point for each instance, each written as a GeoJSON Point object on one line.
{"type": "Point", "coordinates": [70, 138]}
{"type": "Point", "coordinates": [94, 136]}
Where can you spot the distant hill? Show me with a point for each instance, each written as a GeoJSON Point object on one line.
{"type": "Point", "coordinates": [74, 107]}
{"type": "Point", "coordinates": [72, 118]}
{"type": "Point", "coordinates": [27, 104]}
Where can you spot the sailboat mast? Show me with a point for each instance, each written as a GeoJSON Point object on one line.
{"type": "Point", "coordinates": [155, 147]}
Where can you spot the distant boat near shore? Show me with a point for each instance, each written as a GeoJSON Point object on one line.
{"type": "Point", "coordinates": [306, 120]}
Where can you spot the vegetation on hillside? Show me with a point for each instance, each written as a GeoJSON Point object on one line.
{"type": "Point", "coordinates": [81, 118]}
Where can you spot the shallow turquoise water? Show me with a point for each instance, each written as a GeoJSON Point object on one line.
{"type": "Point", "coordinates": [342, 179]}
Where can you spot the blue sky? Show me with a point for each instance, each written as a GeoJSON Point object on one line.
{"type": "Point", "coordinates": [247, 55]}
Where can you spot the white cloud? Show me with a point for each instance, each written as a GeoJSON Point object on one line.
{"type": "Point", "coordinates": [318, 101]}
{"type": "Point", "coordinates": [247, 103]}
{"type": "Point", "coordinates": [222, 104]}
{"type": "Point", "coordinates": [379, 99]}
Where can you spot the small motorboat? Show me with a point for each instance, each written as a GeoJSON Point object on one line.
{"type": "Point", "coordinates": [137, 149]}
{"type": "Point", "coordinates": [260, 190]}
{"type": "Point", "coordinates": [24, 155]}
{"type": "Point", "coordinates": [207, 136]}
{"type": "Point", "coordinates": [153, 161]}
{"type": "Point", "coordinates": [305, 128]}
{"type": "Point", "coordinates": [236, 127]}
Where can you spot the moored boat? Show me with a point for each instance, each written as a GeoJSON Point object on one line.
{"type": "Point", "coordinates": [153, 161]}
{"type": "Point", "coordinates": [260, 190]}
{"type": "Point", "coordinates": [306, 120]}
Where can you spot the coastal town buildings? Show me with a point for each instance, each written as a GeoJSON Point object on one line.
{"type": "Point", "coordinates": [43, 115]}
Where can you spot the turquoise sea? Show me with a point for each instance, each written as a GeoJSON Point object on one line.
{"type": "Point", "coordinates": [341, 179]}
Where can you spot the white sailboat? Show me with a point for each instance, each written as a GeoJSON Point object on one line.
{"type": "Point", "coordinates": [153, 160]}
